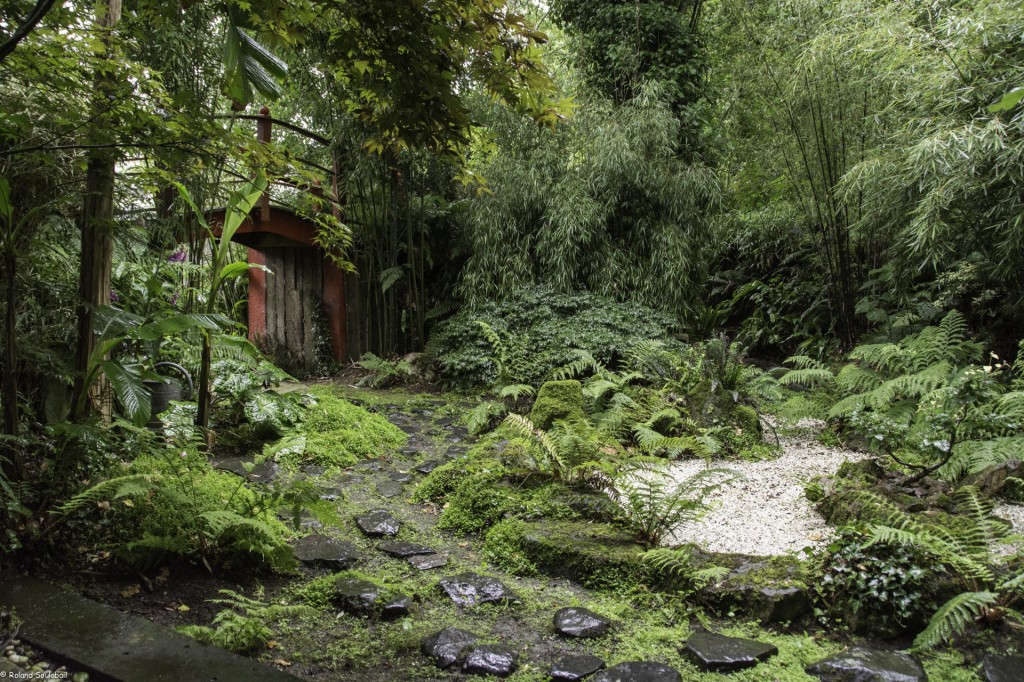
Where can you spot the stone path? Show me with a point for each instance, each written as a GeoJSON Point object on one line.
{"type": "Point", "coordinates": [116, 646]}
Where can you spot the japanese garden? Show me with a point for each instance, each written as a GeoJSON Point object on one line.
{"type": "Point", "coordinates": [609, 340]}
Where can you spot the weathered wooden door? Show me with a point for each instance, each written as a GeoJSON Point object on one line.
{"type": "Point", "coordinates": [294, 291]}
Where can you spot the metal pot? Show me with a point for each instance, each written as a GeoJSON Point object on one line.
{"type": "Point", "coordinates": [163, 392]}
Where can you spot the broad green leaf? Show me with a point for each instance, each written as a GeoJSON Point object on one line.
{"type": "Point", "coordinates": [1009, 100]}
{"type": "Point", "coordinates": [239, 268]}
{"type": "Point", "coordinates": [179, 323]}
{"type": "Point", "coordinates": [130, 391]}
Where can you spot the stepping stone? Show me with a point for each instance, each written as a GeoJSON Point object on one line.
{"type": "Point", "coordinates": [425, 563]}
{"type": "Point", "coordinates": [428, 466]}
{"type": "Point", "coordinates": [470, 589]}
{"type": "Point", "coordinates": [313, 470]}
{"type": "Point", "coordinates": [445, 647]}
{"type": "Point", "coordinates": [491, 659]}
{"type": "Point", "coordinates": [378, 523]}
{"type": "Point", "coordinates": [715, 652]}
{"type": "Point", "coordinates": [401, 476]}
{"type": "Point", "coordinates": [390, 489]}
{"type": "Point", "coordinates": [456, 452]}
{"type": "Point", "coordinates": [868, 665]}
{"type": "Point", "coordinates": [356, 596]}
{"type": "Point", "coordinates": [321, 550]}
{"type": "Point", "coordinates": [331, 493]}
{"type": "Point", "coordinates": [572, 668]}
{"type": "Point", "coordinates": [264, 472]}
{"type": "Point", "coordinates": [580, 622]}
{"type": "Point", "coordinates": [1000, 668]}
{"type": "Point", "coordinates": [396, 608]}
{"type": "Point", "coordinates": [369, 465]}
{"type": "Point", "coordinates": [638, 671]}
{"type": "Point", "coordinates": [113, 645]}
{"type": "Point", "coordinates": [402, 550]}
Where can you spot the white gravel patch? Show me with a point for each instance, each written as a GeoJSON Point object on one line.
{"type": "Point", "coordinates": [1014, 513]}
{"type": "Point", "coordinates": [766, 514]}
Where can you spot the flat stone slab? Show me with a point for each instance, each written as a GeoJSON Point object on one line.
{"type": "Point", "coordinates": [1001, 668]}
{"type": "Point", "coordinates": [401, 476]}
{"type": "Point", "coordinates": [428, 466]}
{"type": "Point", "coordinates": [112, 645]}
{"type": "Point", "coordinates": [357, 596]}
{"type": "Point", "coordinates": [369, 465]}
{"type": "Point", "coordinates": [426, 563]}
{"type": "Point", "coordinates": [868, 665]}
{"type": "Point", "coordinates": [572, 668]}
{"type": "Point", "coordinates": [264, 472]}
{"type": "Point", "coordinates": [445, 647]}
{"type": "Point", "coordinates": [470, 589]}
{"type": "Point", "coordinates": [639, 671]}
{"type": "Point", "coordinates": [389, 489]}
{"type": "Point", "coordinates": [321, 550]}
{"type": "Point", "coordinates": [397, 607]}
{"type": "Point", "coordinates": [401, 550]}
{"type": "Point", "coordinates": [579, 622]}
{"type": "Point", "coordinates": [715, 652]}
{"type": "Point", "coordinates": [378, 523]}
{"type": "Point", "coordinates": [491, 659]}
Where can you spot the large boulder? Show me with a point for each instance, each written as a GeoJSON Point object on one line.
{"type": "Point", "coordinates": [557, 400]}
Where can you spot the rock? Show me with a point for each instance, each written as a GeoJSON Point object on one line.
{"type": "Point", "coordinates": [401, 476]}
{"type": "Point", "coordinates": [428, 466]}
{"type": "Point", "coordinates": [378, 523]}
{"type": "Point", "coordinates": [557, 400]}
{"type": "Point", "coordinates": [715, 652]}
{"type": "Point", "coordinates": [470, 589]}
{"type": "Point", "coordinates": [390, 489]}
{"type": "Point", "coordinates": [356, 596]}
{"type": "Point", "coordinates": [1000, 668]}
{"type": "Point", "coordinates": [398, 607]}
{"type": "Point", "coordinates": [858, 664]}
{"type": "Point", "coordinates": [80, 677]}
{"type": "Point", "coordinates": [445, 647]}
{"type": "Point", "coordinates": [992, 480]}
{"type": "Point", "coordinates": [313, 470]}
{"type": "Point", "coordinates": [17, 659]}
{"type": "Point", "coordinates": [638, 671]}
{"type": "Point", "coordinates": [573, 668]}
{"type": "Point", "coordinates": [491, 659]}
{"type": "Point", "coordinates": [264, 472]}
{"type": "Point", "coordinates": [425, 563]}
{"type": "Point", "coordinates": [402, 550]}
{"type": "Point", "coordinates": [331, 493]}
{"type": "Point", "coordinates": [456, 452]}
{"type": "Point", "coordinates": [580, 622]}
{"type": "Point", "coordinates": [769, 590]}
{"type": "Point", "coordinates": [321, 550]}
{"type": "Point", "coordinates": [369, 465]}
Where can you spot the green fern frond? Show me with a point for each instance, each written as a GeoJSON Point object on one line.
{"type": "Point", "coordinates": [811, 377]}
{"type": "Point", "coordinates": [954, 617]}
{"type": "Point", "coordinates": [112, 488]}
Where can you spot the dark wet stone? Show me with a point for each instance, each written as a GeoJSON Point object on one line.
{"type": "Point", "coordinates": [422, 411]}
{"type": "Point", "coordinates": [390, 489]}
{"type": "Point", "coordinates": [398, 607]}
{"type": "Point", "coordinates": [638, 671]}
{"type": "Point", "coordinates": [356, 596]}
{"type": "Point", "coordinates": [469, 589]}
{"type": "Point", "coordinates": [314, 470]}
{"type": "Point", "coordinates": [428, 466]}
{"type": "Point", "coordinates": [331, 493]}
{"type": "Point", "coordinates": [401, 476]}
{"type": "Point", "coordinates": [321, 550]}
{"type": "Point", "coordinates": [425, 563]}
{"type": "Point", "coordinates": [407, 428]}
{"type": "Point", "coordinates": [1000, 668]}
{"type": "Point", "coordinates": [264, 472]}
{"type": "Point", "coordinates": [369, 465]}
{"type": "Point", "coordinates": [715, 652]}
{"type": "Point", "coordinates": [403, 549]}
{"type": "Point", "coordinates": [491, 659]}
{"type": "Point", "coordinates": [579, 622]}
{"type": "Point", "coordinates": [573, 668]}
{"type": "Point", "coordinates": [457, 452]}
{"type": "Point", "coordinates": [445, 647]}
{"type": "Point", "coordinates": [378, 523]}
{"type": "Point", "coordinates": [306, 520]}
{"type": "Point", "coordinates": [445, 421]}
{"type": "Point", "coordinates": [411, 450]}
{"type": "Point", "coordinates": [858, 664]}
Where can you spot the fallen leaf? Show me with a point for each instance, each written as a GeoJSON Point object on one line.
{"type": "Point", "coordinates": [281, 662]}
{"type": "Point", "coordinates": [130, 591]}
{"type": "Point", "coordinates": [183, 608]}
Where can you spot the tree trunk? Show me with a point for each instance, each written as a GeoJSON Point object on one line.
{"type": "Point", "coordinates": [97, 224]}
{"type": "Point", "coordinates": [10, 371]}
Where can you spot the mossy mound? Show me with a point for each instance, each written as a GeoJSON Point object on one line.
{"type": "Point", "coordinates": [557, 400]}
{"type": "Point", "coordinates": [595, 555]}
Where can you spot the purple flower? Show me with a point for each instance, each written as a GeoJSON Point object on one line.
{"type": "Point", "coordinates": [174, 299]}
{"type": "Point", "coordinates": [177, 257]}
{"type": "Point", "coordinates": [114, 298]}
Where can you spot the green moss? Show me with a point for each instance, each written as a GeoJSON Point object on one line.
{"type": "Point", "coordinates": [746, 419]}
{"type": "Point", "coordinates": [593, 554]}
{"type": "Point", "coordinates": [336, 433]}
{"type": "Point", "coordinates": [503, 548]}
{"type": "Point", "coordinates": [557, 400]}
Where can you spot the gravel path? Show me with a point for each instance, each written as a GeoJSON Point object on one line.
{"type": "Point", "coordinates": [766, 514]}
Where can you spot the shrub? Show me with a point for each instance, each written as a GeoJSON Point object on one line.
{"type": "Point", "coordinates": [542, 328]}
